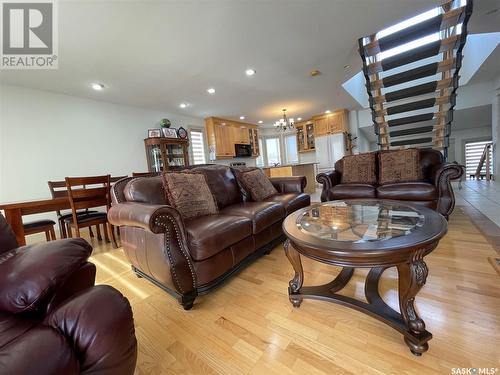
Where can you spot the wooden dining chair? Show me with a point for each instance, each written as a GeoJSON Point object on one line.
{"type": "Point", "coordinates": [41, 226]}
{"type": "Point", "coordinates": [89, 192]}
{"type": "Point", "coordinates": [58, 189]}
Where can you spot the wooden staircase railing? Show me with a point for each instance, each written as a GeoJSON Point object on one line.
{"type": "Point", "coordinates": [412, 93]}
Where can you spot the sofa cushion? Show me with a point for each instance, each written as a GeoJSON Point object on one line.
{"type": "Point", "coordinates": [359, 169]}
{"type": "Point", "coordinates": [257, 184]}
{"type": "Point", "coordinates": [12, 326]}
{"type": "Point", "coordinates": [399, 166]}
{"type": "Point", "coordinates": [222, 183]}
{"type": "Point", "coordinates": [291, 202]}
{"type": "Point", "coordinates": [262, 214]}
{"type": "Point", "coordinates": [351, 191]}
{"type": "Point", "coordinates": [408, 191]}
{"type": "Point", "coordinates": [210, 234]}
{"type": "Point", "coordinates": [145, 190]}
{"type": "Point", "coordinates": [189, 194]}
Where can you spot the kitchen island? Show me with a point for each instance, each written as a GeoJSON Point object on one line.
{"type": "Point", "coordinates": [302, 169]}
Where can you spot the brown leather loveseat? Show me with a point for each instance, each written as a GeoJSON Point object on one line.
{"type": "Point", "coordinates": [433, 190]}
{"type": "Point", "coordinates": [52, 319]}
{"type": "Point", "coordinates": [191, 257]}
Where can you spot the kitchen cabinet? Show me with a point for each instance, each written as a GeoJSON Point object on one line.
{"type": "Point", "coordinates": [330, 123]}
{"type": "Point", "coordinates": [305, 136]}
{"type": "Point", "coordinates": [223, 134]}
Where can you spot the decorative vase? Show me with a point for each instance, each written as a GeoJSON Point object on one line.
{"type": "Point", "coordinates": [165, 123]}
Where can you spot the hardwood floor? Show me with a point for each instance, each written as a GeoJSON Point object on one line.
{"type": "Point", "coordinates": [248, 326]}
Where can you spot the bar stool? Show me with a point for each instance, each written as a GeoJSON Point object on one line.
{"type": "Point", "coordinates": [40, 226]}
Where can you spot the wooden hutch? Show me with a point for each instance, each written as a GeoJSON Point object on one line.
{"type": "Point", "coordinates": [166, 153]}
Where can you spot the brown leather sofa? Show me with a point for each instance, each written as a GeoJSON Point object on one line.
{"type": "Point", "coordinates": [191, 257]}
{"type": "Point", "coordinates": [434, 190]}
{"type": "Point", "coordinates": [52, 319]}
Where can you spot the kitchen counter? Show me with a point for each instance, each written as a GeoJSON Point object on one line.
{"type": "Point", "coordinates": [302, 169]}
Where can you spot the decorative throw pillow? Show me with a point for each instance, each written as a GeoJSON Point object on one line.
{"type": "Point", "coordinates": [256, 183]}
{"type": "Point", "coordinates": [399, 166]}
{"type": "Point", "coordinates": [359, 169]}
{"type": "Point", "coordinates": [189, 194]}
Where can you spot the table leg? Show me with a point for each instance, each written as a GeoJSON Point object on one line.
{"type": "Point", "coordinates": [296, 283]}
{"type": "Point", "coordinates": [412, 277]}
{"type": "Point", "coordinates": [15, 220]}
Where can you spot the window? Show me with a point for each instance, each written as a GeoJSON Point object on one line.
{"type": "Point", "coordinates": [273, 151]}
{"type": "Point", "coordinates": [198, 147]}
{"type": "Point", "coordinates": [291, 152]}
{"type": "Point", "coordinates": [473, 153]}
{"type": "Point", "coordinates": [260, 158]}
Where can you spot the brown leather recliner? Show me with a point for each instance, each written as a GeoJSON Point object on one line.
{"type": "Point", "coordinates": [434, 191]}
{"type": "Point", "coordinates": [191, 257]}
{"type": "Point", "coordinates": [52, 319]}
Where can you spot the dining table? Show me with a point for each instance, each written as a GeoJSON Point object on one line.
{"type": "Point", "coordinates": [15, 211]}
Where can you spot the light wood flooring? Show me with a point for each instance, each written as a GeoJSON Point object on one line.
{"type": "Point", "coordinates": [248, 326]}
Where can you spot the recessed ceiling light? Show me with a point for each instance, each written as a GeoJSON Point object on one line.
{"type": "Point", "coordinates": [260, 121]}
{"type": "Point", "coordinates": [242, 117]}
{"type": "Point", "coordinates": [183, 105]}
{"type": "Point", "coordinates": [347, 66]}
{"type": "Point", "coordinates": [299, 118]}
{"type": "Point", "coordinates": [211, 90]}
{"type": "Point", "coordinates": [328, 111]}
{"type": "Point", "coordinates": [97, 86]}
{"type": "Point", "coordinates": [250, 72]}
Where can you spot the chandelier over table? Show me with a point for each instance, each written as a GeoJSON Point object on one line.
{"type": "Point", "coordinates": [284, 123]}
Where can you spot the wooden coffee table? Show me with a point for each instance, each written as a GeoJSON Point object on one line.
{"type": "Point", "coordinates": [370, 233]}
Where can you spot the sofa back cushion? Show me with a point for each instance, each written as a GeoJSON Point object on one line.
{"type": "Point", "coordinates": [145, 190]}
{"type": "Point", "coordinates": [256, 183]}
{"type": "Point", "coordinates": [359, 169]}
{"type": "Point", "coordinates": [399, 166]}
{"type": "Point", "coordinates": [189, 194]}
{"type": "Point", "coordinates": [222, 184]}
{"type": "Point", "coordinates": [429, 159]}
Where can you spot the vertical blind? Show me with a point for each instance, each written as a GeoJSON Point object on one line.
{"type": "Point", "coordinates": [473, 152]}
{"type": "Point", "coordinates": [198, 147]}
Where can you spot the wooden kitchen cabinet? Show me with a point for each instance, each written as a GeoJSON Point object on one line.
{"type": "Point", "coordinates": [223, 134]}
{"type": "Point", "coordinates": [305, 136]}
{"type": "Point", "coordinates": [331, 123]}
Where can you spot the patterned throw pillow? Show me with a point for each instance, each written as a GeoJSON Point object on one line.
{"type": "Point", "coordinates": [359, 169]}
{"type": "Point", "coordinates": [256, 183]}
{"type": "Point", "coordinates": [189, 194]}
{"type": "Point", "coordinates": [399, 166]}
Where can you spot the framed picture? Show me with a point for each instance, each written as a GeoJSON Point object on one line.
{"type": "Point", "coordinates": [169, 132]}
{"type": "Point", "coordinates": [182, 133]}
{"type": "Point", "coordinates": [154, 133]}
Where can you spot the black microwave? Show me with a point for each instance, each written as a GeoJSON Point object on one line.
{"type": "Point", "coordinates": [242, 151]}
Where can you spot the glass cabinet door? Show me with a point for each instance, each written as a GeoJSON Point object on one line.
{"type": "Point", "coordinates": [175, 155]}
{"type": "Point", "coordinates": [155, 158]}
{"type": "Point", "coordinates": [309, 135]}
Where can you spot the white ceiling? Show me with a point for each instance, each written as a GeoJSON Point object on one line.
{"type": "Point", "coordinates": [157, 54]}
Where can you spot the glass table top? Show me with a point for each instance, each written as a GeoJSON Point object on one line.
{"type": "Point", "coordinates": [359, 221]}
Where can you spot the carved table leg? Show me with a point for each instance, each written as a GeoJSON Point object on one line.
{"type": "Point", "coordinates": [412, 277]}
{"type": "Point", "coordinates": [296, 283]}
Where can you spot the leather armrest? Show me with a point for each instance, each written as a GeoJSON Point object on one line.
{"type": "Point", "coordinates": [166, 221]}
{"type": "Point", "coordinates": [99, 325]}
{"type": "Point", "coordinates": [147, 216]}
{"type": "Point", "coordinates": [291, 184]}
{"type": "Point", "coordinates": [328, 180]}
{"type": "Point", "coordinates": [441, 176]}
{"type": "Point", "coordinates": [30, 275]}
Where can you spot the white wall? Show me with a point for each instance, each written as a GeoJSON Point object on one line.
{"type": "Point", "coordinates": [495, 123]}
{"type": "Point", "coordinates": [458, 138]}
{"type": "Point", "coordinates": [48, 136]}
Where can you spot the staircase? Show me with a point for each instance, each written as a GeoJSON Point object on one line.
{"type": "Point", "coordinates": [412, 93]}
